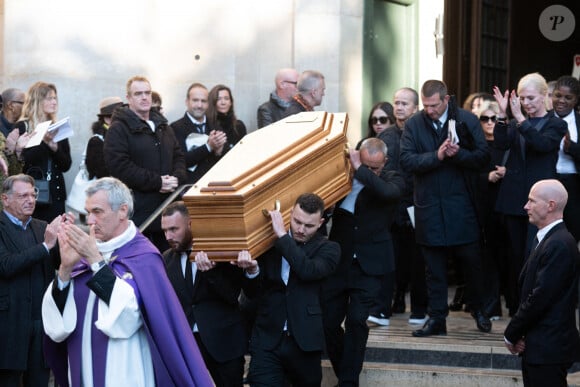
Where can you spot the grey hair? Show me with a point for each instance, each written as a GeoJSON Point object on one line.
{"type": "Point", "coordinates": [309, 80]}
{"type": "Point", "coordinates": [119, 193]}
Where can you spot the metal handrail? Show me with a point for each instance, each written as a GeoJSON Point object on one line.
{"type": "Point", "coordinates": [166, 202]}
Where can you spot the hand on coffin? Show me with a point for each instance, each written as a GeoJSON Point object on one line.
{"type": "Point", "coordinates": [246, 262]}
{"type": "Point", "coordinates": [278, 223]}
{"type": "Point", "coordinates": [203, 262]}
{"type": "Point", "coordinates": [354, 157]}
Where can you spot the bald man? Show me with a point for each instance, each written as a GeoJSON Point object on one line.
{"type": "Point", "coordinates": [286, 81]}
{"type": "Point", "coordinates": [543, 330]}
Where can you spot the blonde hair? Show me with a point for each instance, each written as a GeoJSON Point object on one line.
{"type": "Point", "coordinates": [487, 105]}
{"type": "Point", "coordinates": [534, 80]}
{"type": "Point", "coordinates": [32, 111]}
{"type": "Point", "coordinates": [137, 78]}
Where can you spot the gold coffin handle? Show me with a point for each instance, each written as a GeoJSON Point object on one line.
{"type": "Point", "coordinates": [276, 208]}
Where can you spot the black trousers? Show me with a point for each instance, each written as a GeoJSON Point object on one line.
{"type": "Point", "coordinates": [348, 295]}
{"type": "Point", "coordinates": [542, 375]}
{"type": "Point", "coordinates": [36, 375]}
{"type": "Point", "coordinates": [410, 267]}
{"type": "Point", "coordinates": [286, 362]}
{"type": "Point", "coordinates": [224, 374]}
{"type": "Point", "coordinates": [436, 261]}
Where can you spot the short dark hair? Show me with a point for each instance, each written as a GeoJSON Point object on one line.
{"type": "Point", "coordinates": [177, 206]}
{"type": "Point", "coordinates": [310, 203]}
{"type": "Point", "coordinates": [432, 87]}
{"type": "Point", "coordinates": [194, 85]}
{"type": "Point", "coordinates": [569, 82]}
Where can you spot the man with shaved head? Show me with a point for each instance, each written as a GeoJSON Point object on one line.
{"type": "Point", "coordinates": [543, 330]}
{"type": "Point", "coordinates": [286, 81]}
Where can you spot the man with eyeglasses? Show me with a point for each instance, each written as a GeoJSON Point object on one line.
{"type": "Point", "coordinates": [286, 81]}
{"type": "Point", "coordinates": [27, 263]}
{"type": "Point", "coordinates": [311, 87]}
{"type": "Point", "coordinates": [445, 164]}
{"type": "Point", "coordinates": [12, 102]}
{"type": "Point", "coordinates": [141, 150]}
{"type": "Point", "coordinates": [361, 225]}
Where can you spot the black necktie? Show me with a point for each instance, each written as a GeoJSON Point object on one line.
{"type": "Point", "coordinates": [438, 125]}
{"type": "Point", "coordinates": [535, 243]}
{"type": "Point", "coordinates": [188, 273]}
{"type": "Point", "coordinates": [199, 128]}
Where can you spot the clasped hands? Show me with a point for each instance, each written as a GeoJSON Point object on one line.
{"type": "Point", "coordinates": [447, 149]}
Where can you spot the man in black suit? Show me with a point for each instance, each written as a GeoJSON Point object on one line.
{"type": "Point", "coordinates": [208, 293]}
{"type": "Point", "coordinates": [445, 164]}
{"type": "Point", "coordinates": [543, 330]}
{"type": "Point", "coordinates": [360, 224]}
{"type": "Point", "coordinates": [288, 337]}
{"type": "Point", "coordinates": [202, 153]}
{"type": "Point", "coordinates": [27, 263]}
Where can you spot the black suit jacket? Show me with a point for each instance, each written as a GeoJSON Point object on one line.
{"type": "Point", "coordinates": [366, 233]}
{"type": "Point", "coordinates": [299, 301]}
{"type": "Point", "coordinates": [200, 156]}
{"type": "Point", "coordinates": [213, 306]}
{"type": "Point", "coordinates": [18, 260]}
{"type": "Point", "coordinates": [548, 292]}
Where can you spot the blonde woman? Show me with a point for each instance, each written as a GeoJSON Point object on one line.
{"type": "Point", "coordinates": [49, 158]}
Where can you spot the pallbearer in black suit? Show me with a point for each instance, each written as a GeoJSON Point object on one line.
{"type": "Point", "coordinates": [360, 224]}
{"type": "Point", "coordinates": [208, 293]}
{"type": "Point", "coordinates": [543, 330]}
{"type": "Point", "coordinates": [288, 338]}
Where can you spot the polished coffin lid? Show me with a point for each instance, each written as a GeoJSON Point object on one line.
{"type": "Point", "coordinates": [268, 167]}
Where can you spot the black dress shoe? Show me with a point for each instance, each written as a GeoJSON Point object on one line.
{"type": "Point", "coordinates": [431, 328]}
{"type": "Point", "coordinates": [481, 320]}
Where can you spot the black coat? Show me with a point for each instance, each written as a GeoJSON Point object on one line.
{"type": "Point", "coordinates": [445, 190]}
{"type": "Point", "coordinates": [139, 157]}
{"type": "Point", "coordinates": [523, 170]}
{"type": "Point", "coordinates": [36, 165]}
{"type": "Point", "coordinates": [213, 306]}
{"type": "Point", "coordinates": [299, 301]}
{"type": "Point", "coordinates": [271, 111]}
{"type": "Point", "coordinates": [18, 262]}
{"type": "Point", "coordinates": [548, 291]}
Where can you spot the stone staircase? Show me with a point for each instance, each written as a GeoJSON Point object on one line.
{"type": "Point", "coordinates": [465, 357]}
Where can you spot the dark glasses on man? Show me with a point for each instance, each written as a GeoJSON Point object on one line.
{"type": "Point", "coordinates": [487, 118]}
{"type": "Point", "coordinates": [383, 120]}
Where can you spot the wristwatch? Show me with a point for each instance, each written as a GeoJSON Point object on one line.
{"type": "Point", "coordinates": [95, 267]}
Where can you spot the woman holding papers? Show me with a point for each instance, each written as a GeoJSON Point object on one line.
{"type": "Point", "coordinates": [50, 158]}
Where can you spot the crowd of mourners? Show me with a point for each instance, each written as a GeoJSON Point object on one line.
{"type": "Point", "coordinates": [438, 192]}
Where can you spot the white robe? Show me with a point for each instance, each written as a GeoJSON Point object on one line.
{"type": "Point", "coordinates": [129, 360]}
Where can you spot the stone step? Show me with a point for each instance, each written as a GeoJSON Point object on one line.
{"type": "Point", "coordinates": [464, 357]}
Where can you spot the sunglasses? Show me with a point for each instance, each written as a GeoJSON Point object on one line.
{"type": "Point", "coordinates": [487, 118]}
{"type": "Point", "coordinates": [383, 120]}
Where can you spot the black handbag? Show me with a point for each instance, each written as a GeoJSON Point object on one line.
{"type": "Point", "coordinates": [42, 183]}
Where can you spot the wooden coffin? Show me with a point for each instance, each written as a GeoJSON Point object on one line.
{"type": "Point", "coordinates": [302, 153]}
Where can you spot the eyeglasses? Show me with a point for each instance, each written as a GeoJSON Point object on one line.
{"type": "Point", "coordinates": [291, 82]}
{"type": "Point", "coordinates": [487, 118]}
{"type": "Point", "coordinates": [383, 120]}
{"type": "Point", "coordinates": [23, 196]}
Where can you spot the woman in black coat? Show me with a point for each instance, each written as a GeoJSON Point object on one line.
{"type": "Point", "coordinates": [49, 159]}
{"type": "Point", "coordinates": [220, 116]}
